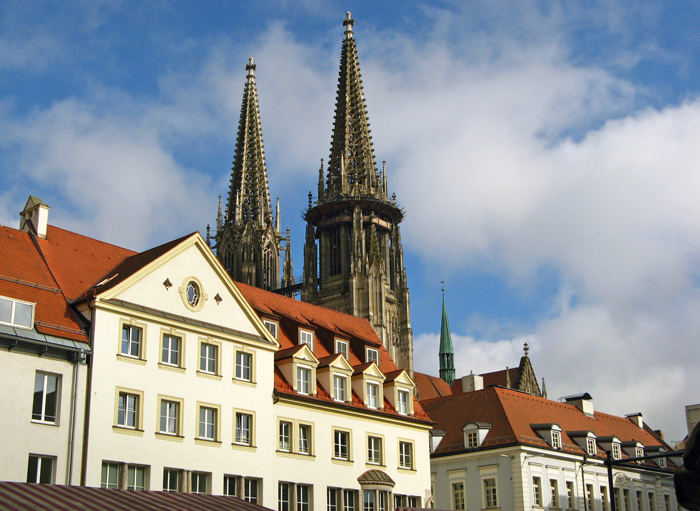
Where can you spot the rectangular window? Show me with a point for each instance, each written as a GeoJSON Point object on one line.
{"type": "Point", "coordinates": [341, 443]}
{"type": "Point", "coordinates": [640, 501]}
{"type": "Point", "coordinates": [207, 358]}
{"type": "Point", "coordinates": [250, 490]}
{"type": "Point", "coordinates": [590, 446]}
{"type": "Point", "coordinates": [660, 461]}
{"type": "Point", "coordinates": [372, 356]}
{"type": "Point", "coordinates": [374, 450]}
{"type": "Point", "coordinates": [45, 405]}
{"type": "Point", "coordinates": [536, 491]}
{"type": "Point", "coordinates": [127, 415]}
{"type": "Point", "coordinates": [616, 451]}
{"type": "Point", "coordinates": [200, 482]}
{"type": "Point", "coordinates": [207, 423]}
{"type": "Point", "coordinates": [285, 436]}
{"type": "Point", "coordinates": [230, 485]}
{"type": "Point", "coordinates": [306, 337]}
{"type": "Point", "coordinates": [369, 503]}
{"type": "Point", "coordinates": [110, 475]}
{"type": "Point", "coordinates": [589, 497]}
{"type": "Point", "coordinates": [372, 395]}
{"type": "Point", "coordinates": [303, 380]}
{"type": "Point", "coordinates": [244, 425]}
{"type": "Point", "coordinates": [570, 495]}
{"type": "Point", "coordinates": [342, 348]}
{"type": "Point", "coordinates": [283, 497]}
{"type": "Point", "coordinates": [303, 497]}
{"type": "Point", "coordinates": [405, 455]}
{"type": "Point", "coordinates": [40, 469]}
{"type": "Point", "coordinates": [136, 478]}
{"type": "Point", "coordinates": [272, 327]}
{"type": "Point", "coordinates": [652, 501]}
{"type": "Point", "coordinates": [349, 500]}
{"type": "Point", "coordinates": [556, 440]}
{"type": "Point", "coordinates": [305, 439]}
{"type": "Point", "coordinates": [604, 499]}
{"type": "Point", "coordinates": [131, 341]}
{"type": "Point", "coordinates": [382, 500]}
{"type": "Point", "coordinates": [332, 499]}
{"type": "Point", "coordinates": [169, 417]}
{"type": "Point", "coordinates": [171, 479]}
{"type": "Point", "coordinates": [554, 492]}
{"type": "Point", "coordinates": [243, 365]}
{"type": "Point", "coordinates": [490, 493]}
{"type": "Point", "coordinates": [402, 402]}
{"type": "Point", "coordinates": [171, 350]}
{"type": "Point", "coordinates": [17, 313]}
{"type": "Point", "coordinates": [340, 388]}
{"type": "Point", "coordinates": [667, 502]}
{"type": "Point", "coordinates": [458, 496]}
{"type": "Point", "coordinates": [627, 500]}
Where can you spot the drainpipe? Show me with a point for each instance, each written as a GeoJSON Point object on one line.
{"type": "Point", "coordinates": [77, 359]}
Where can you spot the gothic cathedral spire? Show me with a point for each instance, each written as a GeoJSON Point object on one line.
{"type": "Point", "coordinates": [248, 240]}
{"type": "Point", "coordinates": [353, 257]}
{"type": "Point", "coordinates": [447, 355]}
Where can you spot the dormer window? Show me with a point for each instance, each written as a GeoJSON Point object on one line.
{"type": "Point", "coordinates": [616, 451]}
{"type": "Point", "coordinates": [402, 397]}
{"type": "Point", "coordinates": [475, 434]}
{"type": "Point", "coordinates": [16, 312]}
{"type": "Point", "coordinates": [272, 327]}
{"type": "Point", "coordinates": [556, 440]}
{"type": "Point", "coordinates": [372, 395]}
{"type": "Point", "coordinates": [306, 337]}
{"type": "Point", "coordinates": [372, 356]}
{"type": "Point", "coordinates": [342, 348]}
{"type": "Point", "coordinates": [472, 440]}
{"type": "Point", "coordinates": [638, 453]}
{"type": "Point", "coordinates": [551, 433]}
{"type": "Point", "coordinates": [591, 449]}
{"type": "Point", "coordinates": [303, 380]}
{"type": "Point", "coordinates": [661, 462]}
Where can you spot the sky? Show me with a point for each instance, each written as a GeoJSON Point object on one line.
{"type": "Point", "coordinates": [546, 155]}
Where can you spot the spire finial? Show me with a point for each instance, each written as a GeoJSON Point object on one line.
{"type": "Point", "coordinates": [527, 348]}
{"type": "Point", "coordinates": [443, 288]}
{"type": "Point", "coordinates": [250, 67]}
{"type": "Point", "coordinates": [348, 22]}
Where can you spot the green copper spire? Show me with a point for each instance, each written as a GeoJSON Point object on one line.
{"type": "Point", "coordinates": [447, 355]}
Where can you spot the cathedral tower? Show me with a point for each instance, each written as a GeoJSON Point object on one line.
{"type": "Point", "coordinates": [248, 240]}
{"type": "Point", "coordinates": [353, 257]}
{"type": "Point", "coordinates": [447, 354]}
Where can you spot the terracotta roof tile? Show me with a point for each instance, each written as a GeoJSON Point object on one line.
{"type": "Point", "coordinates": [430, 387]}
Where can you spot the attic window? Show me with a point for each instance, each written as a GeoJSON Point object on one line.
{"type": "Point", "coordinates": [556, 440]}
{"type": "Point", "coordinates": [342, 348]}
{"type": "Point", "coordinates": [616, 451]}
{"type": "Point", "coordinates": [638, 453]}
{"type": "Point", "coordinates": [306, 337]}
{"type": "Point", "coordinates": [372, 356]}
{"type": "Point", "coordinates": [272, 327]}
{"type": "Point", "coordinates": [16, 312]}
{"type": "Point", "coordinates": [590, 446]}
{"type": "Point", "coordinates": [475, 434]}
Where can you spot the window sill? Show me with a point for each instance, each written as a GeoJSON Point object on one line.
{"type": "Point", "coordinates": [406, 469]}
{"type": "Point", "coordinates": [295, 455]}
{"type": "Point", "coordinates": [131, 360]}
{"type": "Point", "coordinates": [245, 383]}
{"type": "Point", "coordinates": [210, 376]}
{"type": "Point", "coordinates": [171, 438]}
{"type": "Point", "coordinates": [341, 461]}
{"type": "Point", "coordinates": [207, 441]}
{"type": "Point", "coordinates": [169, 367]}
{"type": "Point", "coordinates": [44, 423]}
{"type": "Point", "coordinates": [374, 464]}
{"type": "Point", "coordinates": [127, 431]}
{"type": "Point", "coordinates": [244, 447]}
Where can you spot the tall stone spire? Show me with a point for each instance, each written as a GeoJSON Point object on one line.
{"type": "Point", "coordinates": [447, 355]}
{"type": "Point", "coordinates": [353, 257]}
{"type": "Point", "coordinates": [249, 241]}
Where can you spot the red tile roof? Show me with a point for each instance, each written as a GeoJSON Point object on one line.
{"type": "Point", "coordinates": [512, 414]}
{"type": "Point", "coordinates": [430, 387]}
{"type": "Point", "coordinates": [24, 275]}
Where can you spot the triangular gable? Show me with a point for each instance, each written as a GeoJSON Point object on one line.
{"type": "Point", "coordinates": [371, 370]}
{"type": "Point", "coordinates": [401, 376]}
{"type": "Point", "coordinates": [305, 354]}
{"type": "Point", "coordinates": [337, 361]}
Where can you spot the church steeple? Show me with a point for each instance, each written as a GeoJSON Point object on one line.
{"type": "Point", "coordinates": [248, 240]}
{"type": "Point", "coordinates": [447, 356]}
{"type": "Point", "coordinates": [353, 257]}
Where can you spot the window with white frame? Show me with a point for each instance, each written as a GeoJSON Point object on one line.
{"type": "Point", "coordinates": [244, 363]}
{"type": "Point", "coordinates": [306, 337]}
{"type": "Point", "coordinates": [604, 499]}
{"type": "Point", "coordinates": [230, 485]}
{"type": "Point", "coordinates": [333, 498]}
{"type": "Point", "coordinates": [372, 395]}
{"type": "Point", "coordinates": [110, 475]}
{"type": "Point", "coordinates": [627, 499]}
{"type": "Point", "coordinates": [640, 500]}
{"type": "Point", "coordinates": [244, 428]}
{"type": "Point", "coordinates": [16, 312]}
{"type": "Point", "coordinates": [40, 469]}
{"type": "Point", "coordinates": [554, 493]}
{"type": "Point", "coordinates": [285, 440]}
{"type": "Point", "coordinates": [341, 444]}
{"type": "Point", "coordinates": [272, 327]}
{"type": "Point", "coordinates": [490, 493]}
{"type": "Point", "coordinates": [350, 500]}
{"type": "Point", "coordinates": [303, 380]}
{"type": "Point", "coordinates": [342, 348]}
{"type": "Point", "coordinates": [374, 450]}
{"type": "Point", "coordinates": [305, 439]}
{"type": "Point", "coordinates": [200, 482]}
{"type": "Point", "coordinates": [131, 341]}
{"type": "Point", "coordinates": [638, 453]}
{"type": "Point", "coordinates": [405, 455]}
{"type": "Point", "coordinates": [340, 385]}
{"type": "Point", "coordinates": [472, 439]}
{"type": "Point", "coordinates": [589, 498]}
{"type": "Point", "coordinates": [46, 397]}
{"type": "Point", "coordinates": [590, 446]}
{"type": "Point", "coordinates": [250, 489]}
{"type": "Point", "coordinates": [208, 358]}
{"type": "Point", "coordinates": [284, 498]}
{"type": "Point", "coordinates": [536, 491]}
{"type": "Point", "coordinates": [136, 477]}
{"type": "Point", "coordinates": [128, 410]}
{"type": "Point", "coordinates": [303, 497]}
{"type": "Point", "coordinates": [661, 462]}
{"type": "Point", "coordinates": [458, 496]}
{"type": "Point", "coordinates": [402, 403]}
{"type": "Point", "coordinates": [372, 355]}
{"type": "Point", "coordinates": [170, 354]}
{"type": "Point", "coordinates": [207, 423]}
{"type": "Point", "coordinates": [171, 479]}
{"type": "Point", "coordinates": [616, 451]}
{"type": "Point", "coordinates": [169, 417]}
{"type": "Point", "coordinates": [556, 439]}
{"type": "Point", "coordinates": [570, 502]}
{"type": "Point", "coordinates": [652, 501]}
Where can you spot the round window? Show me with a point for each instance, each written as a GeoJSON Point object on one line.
{"type": "Point", "coordinates": [193, 293]}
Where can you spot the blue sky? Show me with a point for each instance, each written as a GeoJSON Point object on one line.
{"type": "Point", "coordinates": [545, 153]}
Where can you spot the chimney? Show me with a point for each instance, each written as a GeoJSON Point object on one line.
{"type": "Point", "coordinates": [637, 419]}
{"type": "Point", "coordinates": [583, 402]}
{"type": "Point", "coordinates": [472, 382]}
{"type": "Point", "coordinates": [34, 219]}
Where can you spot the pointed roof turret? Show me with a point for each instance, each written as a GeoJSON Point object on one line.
{"type": "Point", "coordinates": [249, 196]}
{"type": "Point", "coordinates": [447, 364]}
{"type": "Point", "coordinates": [352, 169]}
